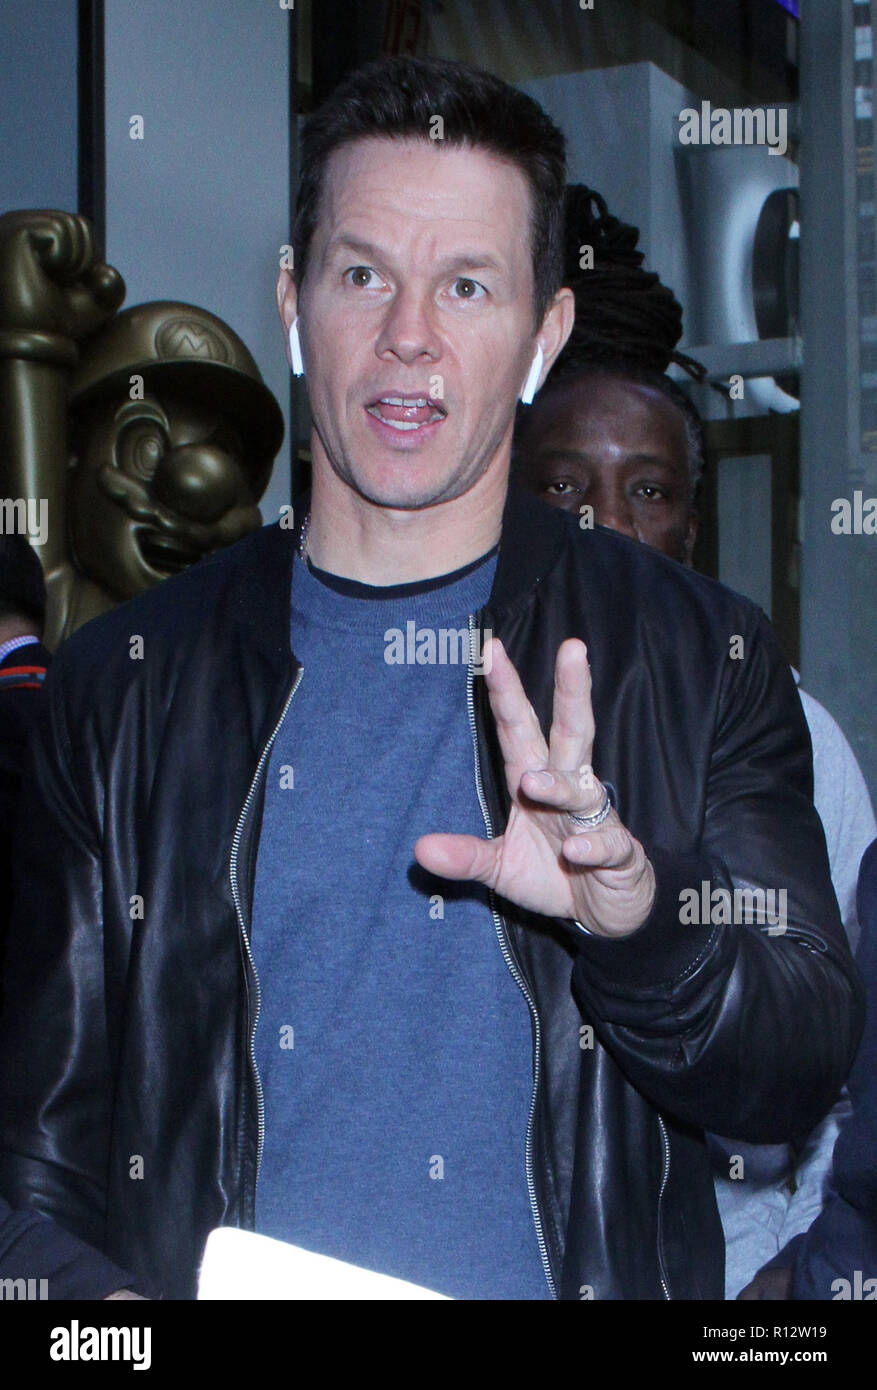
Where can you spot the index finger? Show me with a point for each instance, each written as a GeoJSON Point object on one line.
{"type": "Point", "coordinates": [521, 740]}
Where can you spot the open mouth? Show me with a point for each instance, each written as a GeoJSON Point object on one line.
{"type": "Point", "coordinates": [165, 553]}
{"type": "Point", "coordinates": [405, 413]}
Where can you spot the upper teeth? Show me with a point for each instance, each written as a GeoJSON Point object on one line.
{"type": "Point", "coordinates": [407, 401]}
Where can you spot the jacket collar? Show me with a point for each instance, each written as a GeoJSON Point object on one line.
{"type": "Point", "coordinates": [530, 543]}
{"type": "Point", "coordinates": [532, 536]}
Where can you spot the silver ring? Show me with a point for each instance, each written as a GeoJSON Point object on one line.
{"type": "Point", "coordinates": [589, 822]}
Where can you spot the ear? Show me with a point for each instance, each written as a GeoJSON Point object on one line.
{"type": "Point", "coordinates": [556, 327]}
{"type": "Point", "coordinates": [287, 306]}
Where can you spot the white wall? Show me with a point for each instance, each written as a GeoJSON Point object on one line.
{"type": "Point", "coordinates": [38, 104]}
{"type": "Point", "coordinates": [198, 209]}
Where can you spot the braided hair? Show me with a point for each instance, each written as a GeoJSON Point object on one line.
{"type": "Point", "coordinates": [622, 311]}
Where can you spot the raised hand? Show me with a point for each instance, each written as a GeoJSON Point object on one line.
{"type": "Point", "coordinates": [544, 861]}
{"type": "Point", "coordinates": [51, 280]}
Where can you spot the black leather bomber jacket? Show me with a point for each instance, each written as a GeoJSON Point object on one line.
{"type": "Point", "coordinates": [129, 1104]}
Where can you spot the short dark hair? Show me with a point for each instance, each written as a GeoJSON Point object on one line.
{"type": "Point", "coordinates": [22, 586]}
{"type": "Point", "coordinates": [398, 98]}
{"type": "Point", "coordinates": [623, 368]}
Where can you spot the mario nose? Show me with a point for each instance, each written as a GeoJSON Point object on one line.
{"type": "Point", "coordinates": [198, 481]}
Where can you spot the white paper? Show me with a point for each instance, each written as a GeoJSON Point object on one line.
{"type": "Point", "coordinates": [242, 1265]}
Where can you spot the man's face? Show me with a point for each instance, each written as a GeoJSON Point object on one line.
{"type": "Point", "coordinates": [416, 317]}
{"type": "Point", "coordinates": [620, 448]}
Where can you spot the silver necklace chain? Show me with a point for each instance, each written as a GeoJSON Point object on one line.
{"type": "Point", "coordinates": [303, 541]}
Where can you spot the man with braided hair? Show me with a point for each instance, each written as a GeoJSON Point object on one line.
{"type": "Point", "coordinates": [616, 441]}
{"type": "Point", "coordinates": [613, 367]}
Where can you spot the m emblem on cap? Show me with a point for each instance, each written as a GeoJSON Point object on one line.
{"type": "Point", "coordinates": [190, 337]}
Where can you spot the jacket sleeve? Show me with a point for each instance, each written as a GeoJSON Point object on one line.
{"type": "Point", "coordinates": [33, 1248]}
{"type": "Point", "coordinates": [843, 1239]}
{"type": "Point", "coordinates": [55, 1076]}
{"type": "Point", "coordinates": [741, 1025]}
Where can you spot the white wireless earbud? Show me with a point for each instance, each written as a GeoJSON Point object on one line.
{"type": "Point", "coordinates": [533, 376]}
{"type": "Point", "coordinates": [298, 366]}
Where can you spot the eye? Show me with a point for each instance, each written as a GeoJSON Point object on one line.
{"type": "Point", "coordinates": [651, 492]}
{"type": "Point", "coordinates": [363, 277]}
{"type": "Point", "coordinates": [141, 449]}
{"type": "Point", "coordinates": [464, 288]}
{"type": "Point", "coordinates": [560, 488]}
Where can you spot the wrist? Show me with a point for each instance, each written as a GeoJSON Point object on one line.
{"type": "Point", "coordinates": [640, 909]}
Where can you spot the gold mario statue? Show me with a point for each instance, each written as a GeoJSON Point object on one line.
{"type": "Point", "coordinates": [142, 439]}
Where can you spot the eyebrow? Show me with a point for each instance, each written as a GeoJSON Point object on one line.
{"type": "Point", "coordinates": [472, 260]}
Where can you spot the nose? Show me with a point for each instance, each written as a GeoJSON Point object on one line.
{"type": "Point", "coordinates": [408, 330]}
{"type": "Point", "coordinates": [200, 482]}
{"type": "Point", "coordinates": [612, 509]}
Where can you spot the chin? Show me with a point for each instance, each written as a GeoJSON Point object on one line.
{"type": "Point", "coordinates": [408, 486]}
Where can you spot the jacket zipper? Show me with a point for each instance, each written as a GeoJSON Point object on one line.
{"type": "Point", "coordinates": [518, 978]}
{"type": "Point", "coordinates": [507, 957]}
{"type": "Point", "coordinates": [665, 1143]}
{"type": "Point", "coordinates": [233, 866]}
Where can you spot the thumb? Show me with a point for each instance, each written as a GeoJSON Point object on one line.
{"type": "Point", "coordinates": [458, 856]}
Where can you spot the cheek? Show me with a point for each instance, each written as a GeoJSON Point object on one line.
{"type": "Point", "coordinates": [677, 525]}
{"type": "Point", "coordinates": [331, 351]}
